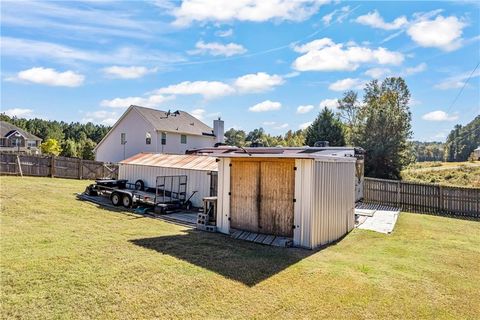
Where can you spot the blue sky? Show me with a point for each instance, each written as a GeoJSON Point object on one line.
{"type": "Point", "coordinates": [254, 63]}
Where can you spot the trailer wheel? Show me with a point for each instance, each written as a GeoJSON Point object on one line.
{"type": "Point", "coordinates": [139, 185]}
{"type": "Point", "coordinates": [127, 201]}
{"type": "Point", "coordinates": [115, 198]}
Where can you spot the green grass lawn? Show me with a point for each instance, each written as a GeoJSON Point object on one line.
{"type": "Point", "coordinates": [63, 258]}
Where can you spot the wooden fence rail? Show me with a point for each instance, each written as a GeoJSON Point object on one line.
{"type": "Point", "coordinates": [51, 166]}
{"type": "Point", "coordinates": [423, 197]}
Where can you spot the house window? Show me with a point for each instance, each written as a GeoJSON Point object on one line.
{"type": "Point", "coordinates": [183, 139]}
{"type": "Point", "coordinates": [32, 144]}
{"type": "Point", "coordinates": [164, 138]}
{"type": "Point", "coordinates": [123, 138]}
{"type": "Point", "coordinates": [148, 138]}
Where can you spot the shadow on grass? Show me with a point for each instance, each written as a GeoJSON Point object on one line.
{"type": "Point", "coordinates": [246, 262]}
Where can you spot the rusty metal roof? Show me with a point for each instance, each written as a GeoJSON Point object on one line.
{"type": "Point", "coordinates": [190, 162]}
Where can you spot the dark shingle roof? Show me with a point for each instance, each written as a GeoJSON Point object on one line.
{"type": "Point", "coordinates": [7, 128]}
{"type": "Point", "coordinates": [182, 122]}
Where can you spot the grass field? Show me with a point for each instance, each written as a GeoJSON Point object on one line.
{"type": "Point", "coordinates": [462, 174]}
{"type": "Point", "coordinates": [63, 258]}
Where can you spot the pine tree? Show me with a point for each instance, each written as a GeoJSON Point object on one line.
{"type": "Point", "coordinates": [326, 127]}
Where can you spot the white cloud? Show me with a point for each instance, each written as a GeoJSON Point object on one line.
{"type": "Point", "coordinates": [281, 126]}
{"type": "Point", "coordinates": [208, 89]}
{"type": "Point", "coordinates": [327, 19]}
{"type": "Point", "coordinates": [19, 113]}
{"type": "Point", "coordinates": [439, 116]}
{"type": "Point", "coordinates": [443, 33]}
{"type": "Point", "coordinates": [258, 82]}
{"type": "Point", "coordinates": [377, 72]}
{"type": "Point", "coordinates": [325, 55]}
{"type": "Point", "coordinates": [305, 108]}
{"type": "Point", "coordinates": [305, 125]}
{"type": "Point", "coordinates": [373, 19]}
{"type": "Point", "coordinates": [244, 10]}
{"type": "Point", "coordinates": [132, 72]}
{"type": "Point", "coordinates": [268, 123]}
{"type": "Point", "coordinates": [198, 113]}
{"type": "Point", "coordinates": [347, 84]}
{"type": "Point", "coordinates": [329, 103]}
{"type": "Point", "coordinates": [416, 69]}
{"type": "Point", "coordinates": [266, 105]}
{"type": "Point", "coordinates": [149, 101]}
{"type": "Point", "coordinates": [224, 33]}
{"type": "Point", "coordinates": [49, 77]}
{"type": "Point", "coordinates": [456, 81]}
{"type": "Point", "coordinates": [39, 50]}
{"type": "Point", "coordinates": [218, 49]}
{"type": "Point", "coordinates": [107, 118]}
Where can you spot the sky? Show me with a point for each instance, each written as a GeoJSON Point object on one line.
{"type": "Point", "coordinates": [254, 63]}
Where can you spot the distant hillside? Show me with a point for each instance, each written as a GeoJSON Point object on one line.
{"type": "Point", "coordinates": [464, 174]}
{"type": "Point", "coordinates": [462, 140]}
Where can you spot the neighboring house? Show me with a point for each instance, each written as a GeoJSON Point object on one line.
{"type": "Point", "coordinates": [14, 139]}
{"type": "Point", "coordinates": [476, 153]}
{"type": "Point", "coordinates": [142, 129]}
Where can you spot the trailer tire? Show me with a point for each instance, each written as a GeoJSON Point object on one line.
{"type": "Point", "coordinates": [127, 201]}
{"type": "Point", "coordinates": [139, 185]}
{"type": "Point", "coordinates": [115, 198]}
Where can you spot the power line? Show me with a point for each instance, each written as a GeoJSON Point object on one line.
{"type": "Point", "coordinates": [463, 87]}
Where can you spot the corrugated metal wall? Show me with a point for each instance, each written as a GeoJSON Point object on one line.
{"type": "Point", "coordinates": [333, 201]}
{"type": "Point", "coordinates": [196, 179]}
{"type": "Point", "coordinates": [223, 202]}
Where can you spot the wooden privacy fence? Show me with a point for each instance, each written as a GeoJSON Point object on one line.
{"type": "Point", "coordinates": [423, 197]}
{"type": "Point", "coordinates": [51, 166]}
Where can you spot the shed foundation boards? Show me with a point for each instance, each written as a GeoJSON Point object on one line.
{"type": "Point", "coordinates": [310, 200]}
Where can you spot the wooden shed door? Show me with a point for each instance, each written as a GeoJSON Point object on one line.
{"type": "Point", "coordinates": [277, 188]}
{"type": "Point", "coordinates": [262, 195]}
{"type": "Point", "coordinates": [245, 191]}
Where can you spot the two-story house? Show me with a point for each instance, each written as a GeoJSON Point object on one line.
{"type": "Point", "coordinates": [14, 139]}
{"type": "Point", "coordinates": [142, 129]}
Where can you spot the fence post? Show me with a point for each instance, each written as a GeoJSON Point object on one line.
{"type": "Point", "coordinates": [52, 166]}
{"type": "Point", "coordinates": [398, 194]}
{"type": "Point", "coordinates": [19, 166]}
{"type": "Point", "coordinates": [80, 168]}
{"type": "Point", "coordinates": [440, 195]}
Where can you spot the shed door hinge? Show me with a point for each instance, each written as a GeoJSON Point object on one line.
{"type": "Point", "coordinates": [294, 200]}
{"type": "Point", "coordinates": [295, 168]}
{"type": "Point", "coordinates": [229, 164]}
{"type": "Point", "coordinates": [229, 193]}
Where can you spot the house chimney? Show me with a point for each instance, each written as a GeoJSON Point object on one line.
{"type": "Point", "coordinates": [218, 130]}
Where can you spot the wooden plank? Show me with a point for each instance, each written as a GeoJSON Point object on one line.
{"type": "Point", "coordinates": [245, 192]}
{"type": "Point", "coordinates": [277, 187]}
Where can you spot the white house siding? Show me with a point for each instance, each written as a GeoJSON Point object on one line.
{"type": "Point", "coordinates": [173, 145]}
{"type": "Point", "coordinates": [135, 127]}
{"type": "Point", "coordinates": [198, 180]}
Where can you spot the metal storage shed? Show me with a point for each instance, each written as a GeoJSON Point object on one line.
{"type": "Point", "coordinates": [201, 172]}
{"type": "Point", "coordinates": [296, 193]}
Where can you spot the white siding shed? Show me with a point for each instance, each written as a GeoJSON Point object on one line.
{"type": "Point", "coordinates": [323, 195]}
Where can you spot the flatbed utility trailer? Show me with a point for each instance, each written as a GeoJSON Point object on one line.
{"type": "Point", "coordinates": [168, 194]}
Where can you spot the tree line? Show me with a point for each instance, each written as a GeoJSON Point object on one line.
{"type": "Point", "coordinates": [462, 140]}
{"type": "Point", "coordinates": [380, 124]}
{"type": "Point", "coordinates": [61, 138]}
